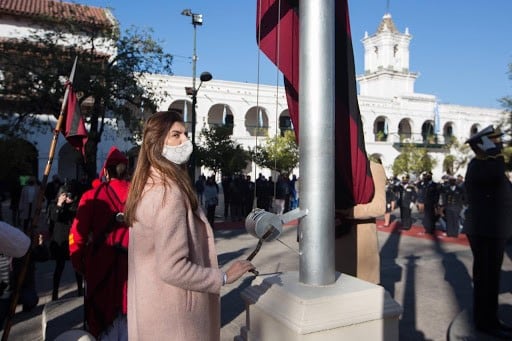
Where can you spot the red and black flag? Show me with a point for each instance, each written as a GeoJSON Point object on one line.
{"type": "Point", "coordinates": [277, 30]}
{"type": "Point", "coordinates": [74, 127]}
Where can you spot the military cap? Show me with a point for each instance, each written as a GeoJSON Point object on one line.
{"type": "Point", "coordinates": [488, 131]}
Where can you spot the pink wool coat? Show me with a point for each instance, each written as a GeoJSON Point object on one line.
{"type": "Point", "coordinates": [173, 276]}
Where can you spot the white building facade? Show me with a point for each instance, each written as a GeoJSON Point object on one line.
{"type": "Point", "coordinates": [392, 113]}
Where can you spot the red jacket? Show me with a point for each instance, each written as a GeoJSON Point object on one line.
{"type": "Point", "coordinates": [98, 247]}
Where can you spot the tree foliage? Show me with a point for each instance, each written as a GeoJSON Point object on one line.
{"type": "Point", "coordinates": [280, 153]}
{"type": "Point", "coordinates": [413, 160]}
{"type": "Point", "coordinates": [220, 153]}
{"type": "Point", "coordinates": [458, 157]}
{"type": "Point", "coordinates": [108, 84]}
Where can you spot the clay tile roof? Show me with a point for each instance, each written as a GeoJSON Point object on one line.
{"type": "Point", "coordinates": [56, 10]}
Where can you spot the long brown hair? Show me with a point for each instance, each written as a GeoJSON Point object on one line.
{"type": "Point", "coordinates": [150, 155]}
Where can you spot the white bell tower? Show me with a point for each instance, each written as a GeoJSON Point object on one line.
{"type": "Point", "coordinates": [386, 62]}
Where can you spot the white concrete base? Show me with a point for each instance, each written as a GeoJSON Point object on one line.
{"type": "Point", "coordinates": [281, 308]}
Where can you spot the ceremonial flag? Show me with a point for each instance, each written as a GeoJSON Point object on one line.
{"type": "Point", "coordinates": [277, 30]}
{"type": "Point", "coordinates": [437, 119]}
{"type": "Point", "coordinates": [74, 127]}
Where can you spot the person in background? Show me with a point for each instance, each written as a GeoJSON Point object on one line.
{"type": "Point", "coordinates": [51, 189]}
{"type": "Point", "coordinates": [226, 184]}
{"type": "Point", "coordinates": [98, 246]}
{"type": "Point", "coordinates": [174, 280]}
{"type": "Point", "coordinates": [488, 226]}
{"type": "Point", "coordinates": [390, 202]}
{"type": "Point", "coordinates": [452, 199]}
{"type": "Point", "coordinates": [211, 198]}
{"type": "Point", "coordinates": [13, 243]}
{"type": "Point", "coordinates": [406, 201]}
{"type": "Point", "coordinates": [248, 195]}
{"type": "Point", "coordinates": [431, 193]}
{"type": "Point", "coordinates": [200, 183]}
{"type": "Point", "coordinates": [61, 211]}
{"type": "Point", "coordinates": [420, 189]}
{"type": "Point", "coordinates": [282, 197]}
{"type": "Point", "coordinates": [356, 248]}
{"type": "Point", "coordinates": [15, 193]}
{"type": "Point", "coordinates": [294, 201]}
{"type": "Point", "coordinates": [27, 202]}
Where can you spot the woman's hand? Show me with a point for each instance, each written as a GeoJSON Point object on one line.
{"type": "Point", "coordinates": [237, 269]}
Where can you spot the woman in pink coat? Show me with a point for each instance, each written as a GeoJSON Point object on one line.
{"type": "Point", "coordinates": [173, 277]}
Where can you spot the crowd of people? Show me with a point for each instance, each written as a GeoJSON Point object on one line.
{"type": "Point", "coordinates": [441, 204]}
{"type": "Point", "coordinates": [144, 243]}
{"type": "Point", "coordinates": [241, 195]}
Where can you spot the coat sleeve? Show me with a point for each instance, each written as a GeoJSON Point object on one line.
{"type": "Point", "coordinates": [377, 206]}
{"type": "Point", "coordinates": [13, 242]}
{"type": "Point", "coordinates": [176, 242]}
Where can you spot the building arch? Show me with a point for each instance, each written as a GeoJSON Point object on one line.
{"type": "Point", "coordinates": [220, 115]}
{"type": "Point", "coordinates": [70, 165]}
{"type": "Point", "coordinates": [256, 121]}
{"type": "Point", "coordinates": [475, 128]}
{"type": "Point", "coordinates": [21, 158]}
{"type": "Point", "coordinates": [380, 128]}
{"type": "Point", "coordinates": [405, 129]}
{"type": "Point", "coordinates": [285, 122]}
{"type": "Point", "coordinates": [427, 130]}
{"type": "Point", "coordinates": [448, 131]}
{"type": "Point", "coordinates": [184, 106]}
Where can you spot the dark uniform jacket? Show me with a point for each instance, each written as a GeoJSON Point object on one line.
{"type": "Point", "coordinates": [453, 199]}
{"type": "Point", "coordinates": [489, 199]}
{"type": "Point", "coordinates": [407, 195]}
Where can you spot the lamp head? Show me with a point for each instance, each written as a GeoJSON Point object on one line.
{"type": "Point", "coordinates": [205, 76]}
{"type": "Point", "coordinates": [197, 19]}
{"type": "Point", "coordinates": [186, 12]}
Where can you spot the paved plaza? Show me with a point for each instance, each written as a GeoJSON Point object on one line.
{"type": "Point", "coordinates": [430, 277]}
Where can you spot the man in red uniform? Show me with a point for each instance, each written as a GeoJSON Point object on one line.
{"type": "Point", "coordinates": [98, 245]}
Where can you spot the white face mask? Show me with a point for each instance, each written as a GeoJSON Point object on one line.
{"type": "Point", "coordinates": [178, 154]}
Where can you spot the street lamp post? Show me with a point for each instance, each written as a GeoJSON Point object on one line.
{"type": "Point", "coordinates": [197, 20]}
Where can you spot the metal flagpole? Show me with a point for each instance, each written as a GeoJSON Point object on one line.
{"type": "Point", "coordinates": [37, 212]}
{"type": "Point", "coordinates": [316, 107]}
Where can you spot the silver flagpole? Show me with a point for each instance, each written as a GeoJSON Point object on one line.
{"type": "Point", "coordinates": [316, 108]}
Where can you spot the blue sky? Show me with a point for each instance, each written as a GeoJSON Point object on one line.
{"type": "Point", "coordinates": [460, 48]}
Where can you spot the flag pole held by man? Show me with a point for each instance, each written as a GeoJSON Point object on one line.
{"type": "Point", "coordinates": [76, 135]}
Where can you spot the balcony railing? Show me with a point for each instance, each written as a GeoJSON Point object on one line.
{"type": "Point", "coordinates": [419, 140]}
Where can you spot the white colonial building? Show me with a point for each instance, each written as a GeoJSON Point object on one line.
{"type": "Point", "coordinates": [392, 113]}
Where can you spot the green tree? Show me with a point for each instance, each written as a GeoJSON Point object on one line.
{"type": "Point", "coordinates": [458, 157]}
{"type": "Point", "coordinates": [108, 86]}
{"type": "Point", "coordinates": [218, 152]}
{"type": "Point", "coordinates": [280, 153]}
{"type": "Point", "coordinates": [413, 160]}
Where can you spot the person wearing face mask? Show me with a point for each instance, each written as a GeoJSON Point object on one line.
{"type": "Point", "coordinates": [452, 201]}
{"type": "Point", "coordinates": [406, 200]}
{"type": "Point", "coordinates": [98, 246]}
{"type": "Point", "coordinates": [488, 225]}
{"type": "Point", "coordinates": [174, 280]}
{"type": "Point", "coordinates": [431, 193]}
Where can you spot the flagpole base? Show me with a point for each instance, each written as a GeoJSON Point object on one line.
{"type": "Point", "coordinates": [281, 308]}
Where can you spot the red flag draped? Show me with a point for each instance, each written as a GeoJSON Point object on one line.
{"type": "Point", "coordinates": [277, 29]}
{"type": "Point", "coordinates": [74, 127]}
